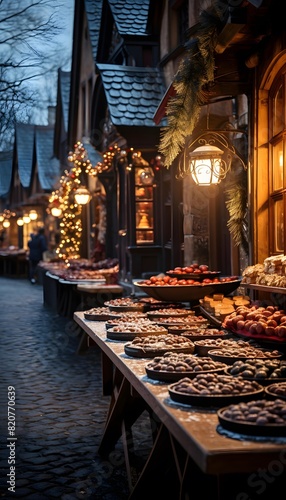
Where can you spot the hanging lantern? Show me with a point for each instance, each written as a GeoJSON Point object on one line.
{"type": "Point", "coordinates": [82, 196]}
{"type": "Point", "coordinates": [26, 218]}
{"type": "Point", "coordinates": [207, 166]}
{"type": "Point", "coordinates": [20, 221]}
{"type": "Point", "coordinates": [56, 211]}
{"type": "Point", "coordinates": [33, 215]}
{"type": "Point", "coordinates": [6, 223]}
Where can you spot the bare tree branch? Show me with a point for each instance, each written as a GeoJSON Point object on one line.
{"type": "Point", "coordinates": [28, 52]}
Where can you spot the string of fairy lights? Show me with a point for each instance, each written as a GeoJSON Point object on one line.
{"type": "Point", "coordinates": [63, 201]}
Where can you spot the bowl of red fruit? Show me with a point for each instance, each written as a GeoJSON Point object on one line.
{"type": "Point", "coordinates": [198, 272]}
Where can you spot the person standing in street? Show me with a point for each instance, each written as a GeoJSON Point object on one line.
{"type": "Point", "coordinates": [37, 246]}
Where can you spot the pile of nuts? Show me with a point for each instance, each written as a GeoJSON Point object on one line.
{"type": "Point", "coordinates": [158, 342]}
{"type": "Point", "coordinates": [188, 320]}
{"type": "Point", "coordinates": [212, 384]}
{"type": "Point", "coordinates": [245, 352]}
{"type": "Point", "coordinates": [260, 412]}
{"type": "Point", "coordinates": [172, 362]}
{"type": "Point", "coordinates": [222, 343]}
{"type": "Point", "coordinates": [143, 326]}
{"type": "Point", "coordinates": [125, 319]}
{"type": "Point", "coordinates": [190, 329]}
{"type": "Point", "coordinates": [259, 369]}
{"type": "Point", "coordinates": [124, 302]}
{"type": "Point", "coordinates": [171, 312]}
{"type": "Point", "coordinates": [278, 390]}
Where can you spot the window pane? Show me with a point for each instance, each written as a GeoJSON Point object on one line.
{"type": "Point", "coordinates": [278, 111]}
{"type": "Point", "coordinates": [278, 166]}
{"type": "Point", "coordinates": [279, 226]}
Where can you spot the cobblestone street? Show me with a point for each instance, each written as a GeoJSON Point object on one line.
{"type": "Point", "coordinates": [60, 411]}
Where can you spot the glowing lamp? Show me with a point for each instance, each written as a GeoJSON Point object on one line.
{"type": "Point", "coordinates": [6, 223]}
{"type": "Point", "coordinates": [26, 218]}
{"type": "Point", "coordinates": [82, 196]}
{"type": "Point", "coordinates": [207, 165]}
{"type": "Point", "coordinates": [33, 215]}
{"type": "Point", "coordinates": [20, 221]}
{"type": "Point", "coordinates": [56, 211]}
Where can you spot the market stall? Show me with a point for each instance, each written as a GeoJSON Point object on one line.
{"type": "Point", "coordinates": [191, 450]}
{"type": "Point", "coordinates": [62, 282]}
{"type": "Point", "coordinates": [13, 263]}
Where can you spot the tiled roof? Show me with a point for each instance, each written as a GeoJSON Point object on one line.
{"type": "Point", "coordinates": [6, 162]}
{"type": "Point", "coordinates": [130, 16]}
{"type": "Point", "coordinates": [48, 165]}
{"type": "Point", "coordinates": [133, 94]}
{"type": "Point", "coordinates": [65, 85]}
{"type": "Point", "coordinates": [93, 10]}
{"type": "Point", "coordinates": [25, 150]}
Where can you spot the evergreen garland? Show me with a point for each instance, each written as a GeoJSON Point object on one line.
{"type": "Point", "coordinates": [194, 76]}
{"type": "Point", "coordinates": [236, 204]}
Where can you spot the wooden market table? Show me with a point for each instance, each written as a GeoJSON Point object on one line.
{"type": "Point", "coordinates": [94, 295]}
{"type": "Point", "coordinates": [189, 451]}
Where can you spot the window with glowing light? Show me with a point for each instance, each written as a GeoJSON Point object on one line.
{"type": "Point", "coordinates": [277, 173]}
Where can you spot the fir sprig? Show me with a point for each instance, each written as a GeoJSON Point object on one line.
{"type": "Point", "coordinates": [236, 204]}
{"type": "Point", "coordinates": [195, 73]}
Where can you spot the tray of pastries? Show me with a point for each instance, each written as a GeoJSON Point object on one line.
{"type": "Point", "coordinates": [264, 371]}
{"type": "Point", "coordinates": [230, 355]}
{"type": "Point", "coordinates": [173, 366]}
{"type": "Point", "coordinates": [214, 389]}
{"type": "Point", "coordinates": [128, 331]}
{"type": "Point", "coordinates": [256, 417]}
{"type": "Point", "coordinates": [156, 345]}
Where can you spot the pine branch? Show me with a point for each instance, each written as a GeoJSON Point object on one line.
{"type": "Point", "coordinates": [236, 204]}
{"type": "Point", "coordinates": [195, 73]}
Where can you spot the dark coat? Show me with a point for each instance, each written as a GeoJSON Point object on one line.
{"type": "Point", "coordinates": [37, 245]}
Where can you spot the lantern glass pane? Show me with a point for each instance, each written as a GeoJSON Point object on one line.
{"type": "Point", "coordinates": [206, 171]}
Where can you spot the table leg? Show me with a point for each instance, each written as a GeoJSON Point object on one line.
{"type": "Point", "coordinates": [124, 409]}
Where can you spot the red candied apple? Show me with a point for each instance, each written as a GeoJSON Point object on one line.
{"type": "Point", "coordinates": [189, 270]}
{"type": "Point", "coordinates": [204, 268]}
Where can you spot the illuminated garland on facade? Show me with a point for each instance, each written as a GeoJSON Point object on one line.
{"type": "Point", "coordinates": [63, 198]}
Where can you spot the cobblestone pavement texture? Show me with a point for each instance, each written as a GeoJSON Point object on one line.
{"type": "Point", "coordinates": [60, 411]}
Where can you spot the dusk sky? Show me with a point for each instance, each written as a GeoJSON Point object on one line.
{"type": "Point", "coordinates": [61, 47]}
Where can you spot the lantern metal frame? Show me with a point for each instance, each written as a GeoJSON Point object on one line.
{"type": "Point", "coordinates": [213, 152]}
